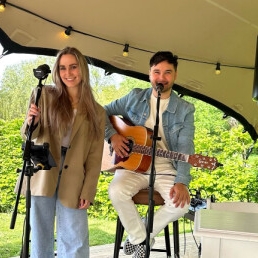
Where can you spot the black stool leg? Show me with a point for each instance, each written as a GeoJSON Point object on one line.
{"type": "Point", "coordinates": [176, 238]}
{"type": "Point", "coordinates": [118, 239]}
{"type": "Point", "coordinates": [167, 241]}
{"type": "Point", "coordinates": [120, 232]}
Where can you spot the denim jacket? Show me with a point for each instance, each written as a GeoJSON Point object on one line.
{"type": "Point", "coordinates": [177, 122]}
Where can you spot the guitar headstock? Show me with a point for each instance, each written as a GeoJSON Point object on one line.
{"type": "Point", "coordinates": [200, 161]}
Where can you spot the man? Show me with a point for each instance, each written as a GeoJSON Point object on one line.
{"type": "Point", "coordinates": [176, 129]}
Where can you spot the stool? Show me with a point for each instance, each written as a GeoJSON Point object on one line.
{"type": "Point", "coordinates": [142, 198]}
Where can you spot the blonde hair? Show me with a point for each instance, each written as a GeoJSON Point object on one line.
{"type": "Point", "coordinates": [60, 111]}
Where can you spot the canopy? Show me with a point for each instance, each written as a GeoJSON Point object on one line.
{"type": "Point", "coordinates": [204, 34]}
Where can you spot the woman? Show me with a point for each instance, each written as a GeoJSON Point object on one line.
{"type": "Point", "coordinates": [72, 122]}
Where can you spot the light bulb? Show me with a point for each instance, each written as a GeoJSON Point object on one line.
{"type": "Point", "coordinates": [126, 50]}
{"type": "Point", "coordinates": [217, 71]}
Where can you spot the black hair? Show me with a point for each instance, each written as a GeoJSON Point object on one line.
{"type": "Point", "coordinates": [164, 56]}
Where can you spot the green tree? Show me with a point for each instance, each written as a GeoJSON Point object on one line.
{"type": "Point", "coordinates": [129, 83]}
{"type": "Point", "coordinates": [16, 87]}
{"type": "Point", "coordinates": [111, 90]}
{"type": "Point", "coordinates": [224, 139]}
{"type": "Point", "coordinates": [215, 137]}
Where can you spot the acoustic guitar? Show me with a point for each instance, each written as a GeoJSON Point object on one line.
{"type": "Point", "coordinates": [140, 145]}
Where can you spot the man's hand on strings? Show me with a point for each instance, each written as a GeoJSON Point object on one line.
{"type": "Point", "coordinates": [119, 145]}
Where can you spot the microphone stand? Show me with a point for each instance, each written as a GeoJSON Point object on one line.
{"type": "Point", "coordinates": [155, 138]}
{"type": "Point", "coordinates": [28, 170]}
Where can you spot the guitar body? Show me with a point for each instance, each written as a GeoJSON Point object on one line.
{"type": "Point", "coordinates": [140, 145]}
{"type": "Point", "coordinates": [138, 135]}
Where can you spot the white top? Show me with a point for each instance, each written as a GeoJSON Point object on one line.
{"type": "Point", "coordinates": [66, 139]}
{"type": "Point", "coordinates": [162, 165]}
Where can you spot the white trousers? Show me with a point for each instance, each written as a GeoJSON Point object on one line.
{"type": "Point", "coordinates": [125, 185]}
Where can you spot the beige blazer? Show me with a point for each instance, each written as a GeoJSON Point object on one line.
{"type": "Point", "coordinates": [82, 163]}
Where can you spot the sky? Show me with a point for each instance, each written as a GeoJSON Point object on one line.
{"type": "Point", "coordinates": [12, 59]}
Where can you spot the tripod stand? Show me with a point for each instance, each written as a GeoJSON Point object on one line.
{"type": "Point", "coordinates": [36, 157]}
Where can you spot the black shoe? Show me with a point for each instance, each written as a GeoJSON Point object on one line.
{"type": "Point", "coordinates": [128, 247]}
{"type": "Point", "coordinates": [141, 249]}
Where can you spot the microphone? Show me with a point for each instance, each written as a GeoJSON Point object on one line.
{"type": "Point", "coordinates": [42, 71]}
{"type": "Point", "coordinates": [159, 87]}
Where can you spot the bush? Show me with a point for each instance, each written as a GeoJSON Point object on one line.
{"type": "Point", "coordinates": [10, 161]}
{"type": "Point", "coordinates": [235, 181]}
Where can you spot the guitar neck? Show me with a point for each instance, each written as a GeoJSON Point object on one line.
{"type": "Point", "coordinates": [142, 145]}
{"type": "Point", "coordinates": [147, 150]}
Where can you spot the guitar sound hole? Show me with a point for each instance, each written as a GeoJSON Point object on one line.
{"type": "Point", "coordinates": [130, 145]}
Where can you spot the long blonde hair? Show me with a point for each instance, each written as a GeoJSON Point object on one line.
{"type": "Point", "coordinates": [60, 110]}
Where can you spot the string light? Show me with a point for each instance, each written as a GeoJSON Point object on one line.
{"type": "Point", "coordinates": [126, 46]}
{"type": "Point", "coordinates": [2, 5]}
{"type": "Point", "coordinates": [68, 31]}
{"type": "Point", "coordinates": [217, 71]}
{"type": "Point", "coordinates": [126, 50]}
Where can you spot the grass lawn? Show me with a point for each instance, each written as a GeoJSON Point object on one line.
{"type": "Point", "coordinates": [101, 232]}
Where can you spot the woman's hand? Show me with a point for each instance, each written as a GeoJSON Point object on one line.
{"type": "Point", "coordinates": [84, 204]}
{"type": "Point", "coordinates": [34, 111]}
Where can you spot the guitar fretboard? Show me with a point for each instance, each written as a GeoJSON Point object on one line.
{"type": "Point", "coordinates": [147, 150]}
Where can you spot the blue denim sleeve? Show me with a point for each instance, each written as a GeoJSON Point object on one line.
{"type": "Point", "coordinates": [186, 146]}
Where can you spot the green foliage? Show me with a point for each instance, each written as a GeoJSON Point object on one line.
{"type": "Point", "coordinates": [16, 87]}
{"type": "Point", "coordinates": [129, 83]}
{"type": "Point", "coordinates": [225, 140]}
{"type": "Point", "coordinates": [103, 206]}
{"type": "Point", "coordinates": [105, 94]}
{"type": "Point", "coordinates": [216, 137]}
{"type": "Point", "coordinates": [10, 161]}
